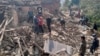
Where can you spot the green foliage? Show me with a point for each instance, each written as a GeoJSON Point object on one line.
{"type": "Point", "coordinates": [68, 3]}
{"type": "Point", "coordinates": [76, 2]}
{"type": "Point", "coordinates": [91, 8]}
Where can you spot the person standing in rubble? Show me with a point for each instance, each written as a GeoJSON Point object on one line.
{"type": "Point", "coordinates": [40, 23]}
{"type": "Point", "coordinates": [95, 27]}
{"type": "Point", "coordinates": [62, 22]}
{"type": "Point", "coordinates": [49, 21]}
{"type": "Point", "coordinates": [83, 46]}
{"type": "Point", "coordinates": [86, 21]}
{"type": "Point", "coordinates": [30, 16]}
{"type": "Point", "coordinates": [82, 20]}
{"type": "Point", "coordinates": [36, 27]}
{"type": "Point", "coordinates": [95, 44]}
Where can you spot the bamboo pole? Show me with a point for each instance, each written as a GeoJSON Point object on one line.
{"type": "Point", "coordinates": [3, 30]}
{"type": "Point", "coordinates": [18, 40]}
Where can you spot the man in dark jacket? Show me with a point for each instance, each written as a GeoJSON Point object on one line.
{"type": "Point", "coordinates": [30, 16]}
{"type": "Point", "coordinates": [36, 27]}
{"type": "Point", "coordinates": [48, 21]}
{"type": "Point", "coordinates": [83, 46]}
{"type": "Point", "coordinates": [95, 44]}
{"type": "Point", "coordinates": [86, 21]}
{"type": "Point", "coordinates": [82, 21]}
{"type": "Point", "coordinates": [62, 22]}
{"type": "Point", "coordinates": [95, 27]}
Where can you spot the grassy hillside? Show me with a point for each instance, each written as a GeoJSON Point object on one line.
{"type": "Point", "coordinates": [91, 9]}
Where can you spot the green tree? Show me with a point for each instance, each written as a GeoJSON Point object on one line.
{"type": "Point", "coordinates": [91, 9]}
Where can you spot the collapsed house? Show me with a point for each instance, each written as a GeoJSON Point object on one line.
{"type": "Point", "coordinates": [20, 40]}
{"type": "Point", "coordinates": [17, 39]}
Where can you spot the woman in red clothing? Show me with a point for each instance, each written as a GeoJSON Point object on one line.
{"type": "Point", "coordinates": [40, 23]}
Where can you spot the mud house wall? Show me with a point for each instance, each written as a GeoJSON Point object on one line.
{"type": "Point", "coordinates": [52, 5]}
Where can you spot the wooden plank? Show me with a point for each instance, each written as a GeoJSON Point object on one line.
{"type": "Point", "coordinates": [41, 49]}
{"type": "Point", "coordinates": [3, 30]}
{"type": "Point", "coordinates": [2, 23]}
{"type": "Point", "coordinates": [22, 53]}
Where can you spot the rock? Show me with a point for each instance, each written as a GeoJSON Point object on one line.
{"type": "Point", "coordinates": [54, 33]}
{"type": "Point", "coordinates": [64, 32]}
{"type": "Point", "coordinates": [77, 54]}
{"type": "Point", "coordinates": [46, 36]}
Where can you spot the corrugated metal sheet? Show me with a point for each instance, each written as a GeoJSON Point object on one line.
{"type": "Point", "coordinates": [54, 47]}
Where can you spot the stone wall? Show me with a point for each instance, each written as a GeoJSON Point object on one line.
{"type": "Point", "coordinates": [51, 5]}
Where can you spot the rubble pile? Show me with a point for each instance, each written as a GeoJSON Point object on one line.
{"type": "Point", "coordinates": [22, 37]}
{"type": "Point", "coordinates": [15, 39]}
{"type": "Point", "coordinates": [22, 40]}
{"type": "Point", "coordinates": [68, 36]}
